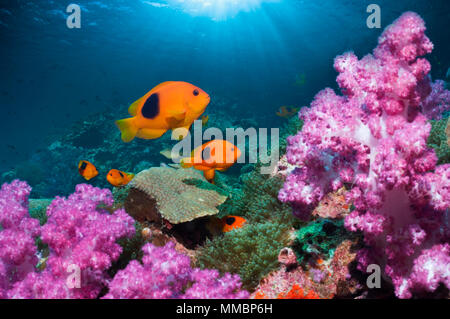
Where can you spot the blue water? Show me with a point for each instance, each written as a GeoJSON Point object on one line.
{"type": "Point", "coordinates": [53, 76]}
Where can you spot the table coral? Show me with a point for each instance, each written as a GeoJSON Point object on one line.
{"type": "Point", "coordinates": [373, 140]}
{"type": "Point", "coordinates": [165, 273]}
{"type": "Point", "coordinates": [168, 194]}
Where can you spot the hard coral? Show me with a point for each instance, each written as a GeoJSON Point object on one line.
{"type": "Point", "coordinates": [165, 273]}
{"type": "Point", "coordinates": [167, 193]}
{"type": "Point", "coordinates": [373, 139]}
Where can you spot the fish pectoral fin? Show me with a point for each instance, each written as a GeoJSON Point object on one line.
{"type": "Point", "coordinates": [127, 129]}
{"type": "Point", "coordinates": [178, 114]}
{"type": "Point", "coordinates": [209, 175]}
{"type": "Point", "coordinates": [174, 122]}
{"type": "Point", "coordinates": [149, 133]}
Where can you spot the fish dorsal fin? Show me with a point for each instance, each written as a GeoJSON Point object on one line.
{"type": "Point", "coordinates": [132, 110]}
{"type": "Point", "coordinates": [161, 85]}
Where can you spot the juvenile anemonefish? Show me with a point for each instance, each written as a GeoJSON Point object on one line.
{"type": "Point", "coordinates": [214, 155]}
{"type": "Point", "coordinates": [232, 222]}
{"type": "Point", "coordinates": [118, 178]}
{"type": "Point", "coordinates": [87, 170]}
{"type": "Point", "coordinates": [287, 112]}
{"type": "Point", "coordinates": [216, 226]}
{"type": "Point", "coordinates": [168, 106]}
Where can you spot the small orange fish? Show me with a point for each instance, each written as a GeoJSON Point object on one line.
{"type": "Point", "coordinates": [286, 112]}
{"type": "Point", "coordinates": [118, 178]}
{"type": "Point", "coordinates": [205, 119]}
{"type": "Point", "coordinates": [214, 155]}
{"type": "Point", "coordinates": [87, 170]}
{"type": "Point", "coordinates": [232, 222]}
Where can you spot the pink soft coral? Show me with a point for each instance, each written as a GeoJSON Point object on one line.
{"type": "Point", "coordinates": [165, 273]}
{"type": "Point", "coordinates": [17, 235]}
{"type": "Point", "coordinates": [373, 140]}
{"type": "Point", "coordinates": [79, 236]}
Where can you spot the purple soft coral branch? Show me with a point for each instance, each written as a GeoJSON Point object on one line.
{"type": "Point", "coordinates": [80, 238]}
{"type": "Point", "coordinates": [165, 273]}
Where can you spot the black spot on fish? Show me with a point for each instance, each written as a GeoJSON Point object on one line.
{"type": "Point", "coordinates": [206, 154]}
{"type": "Point", "coordinates": [121, 175]}
{"type": "Point", "coordinates": [83, 166]}
{"type": "Point", "coordinates": [230, 220]}
{"type": "Point", "coordinates": [151, 107]}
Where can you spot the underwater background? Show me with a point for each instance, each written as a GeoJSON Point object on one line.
{"type": "Point", "coordinates": [362, 183]}
{"type": "Point", "coordinates": [252, 57]}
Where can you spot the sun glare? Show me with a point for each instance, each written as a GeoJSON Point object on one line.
{"type": "Point", "coordinates": [218, 9]}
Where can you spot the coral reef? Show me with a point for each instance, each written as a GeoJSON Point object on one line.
{"type": "Point", "coordinates": [326, 279]}
{"type": "Point", "coordinates": [373, 140]}
{"type": "Point", "coordinates": [252, 251]}
{"type": "Point", "coordinates": [319, 238]}
{"type": "Point", "coordinates": [333, 205]}
{"type": "Point", "coordinates": [165, 273]}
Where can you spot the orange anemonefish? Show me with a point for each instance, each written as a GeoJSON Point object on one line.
{"type": "Point", "coordinates": [168, 106]}
{"type": "Point", "coordinates": [87, 170]}
{"type": "Point", "coordinates": [232, 222]}
{"type": "Point", "coordinates": [214, 155]}
{"type": "Point", "coordinates": [118, 178]}
{"type": "Point", "coordinates": [285, 113]}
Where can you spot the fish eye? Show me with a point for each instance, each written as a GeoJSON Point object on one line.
{"type": "Point", "coordinates": [196, 92]}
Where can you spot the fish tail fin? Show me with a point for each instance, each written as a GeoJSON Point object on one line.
{"type": "Point", "coordinates": [186, 162]}
{"type": "Point", "coordinates": [127, 129]}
